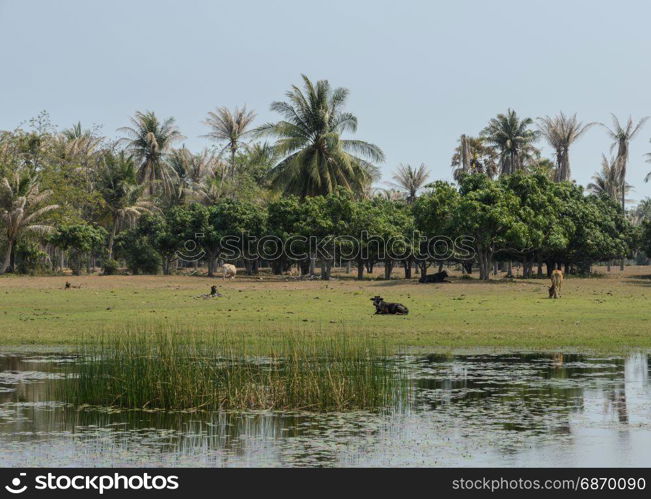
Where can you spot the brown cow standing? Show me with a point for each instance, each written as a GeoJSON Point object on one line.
{"type": "Point", "coordinates": [557, 282]}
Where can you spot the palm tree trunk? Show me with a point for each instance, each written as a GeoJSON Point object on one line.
{"type": "Point", "coordinates": [465, 155]}
{"type": "Point", "coordinates": [7, 259]}
{"type": "Point", "coordinates": [233, 151]}
{"type": "Point", "coordinates": [12, 258]}
{"type": "Point", "coordinates": [558, 175]}
{"type": "Point", "coordinates": [623, 189]}
{"type": "Point", "coordinates": [111, 240]}
{"type": "Point", "coordinates": [566, 164]}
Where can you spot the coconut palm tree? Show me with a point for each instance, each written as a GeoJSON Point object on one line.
{"type": "Point", "coordinates": [192, 171]}
{"type": "Point", "coordinates": [123, 197]}
{"type": "Point", "coordinates": [544, 166]}
{"type": "Point", "coordinates": [250, 179]}
{"type": "Point", "coordinates": [315, 159]}
{"type": "Point", "coordinates": [479, 157]}
{"type": "Point", "coordinates": [78, 149]}
{"type": "Point", "coordinates": [622, 135]}
{"type": "Point", "coordinates": [608, 180]}
{"type": "Point", "coordinates": [211, 191]}
{"type": "Point", "coordinates": [641, 213]}
{"type": "Point", "coordinates": [149, 140]}
{"type": "Point", "coordinates": [259, 158]}
{"type": "Point", "coordinates": [561, 132]}
{"type": "Point", "coordinates": [78, 141]}
{"type": "Point", "coordinates": [21, 207]}
{"type": "Point", "coordinates": [386, 194]}
{"type": "Point", "coordinates": [230, 128]}
{"type": "Point", "coordinates": [410, 180]}
{"type": "Point", "coordinates": [514, 140]}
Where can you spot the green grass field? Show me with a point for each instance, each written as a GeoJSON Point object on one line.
{"type": "Point", "coordinates": [607, 313]}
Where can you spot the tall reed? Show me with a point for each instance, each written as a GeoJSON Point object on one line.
{"type": "Point", "coordinates": [163, 368]}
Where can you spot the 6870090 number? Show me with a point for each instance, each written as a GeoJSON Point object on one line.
{"type": "Point", "coordinates": [611, 483]}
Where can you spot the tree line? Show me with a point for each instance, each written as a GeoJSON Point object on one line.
{"type": "Point", "coordinates": [75, 198]}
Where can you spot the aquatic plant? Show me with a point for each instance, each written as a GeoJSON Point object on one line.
{"type": "Point", "coordinates": [164, 368]}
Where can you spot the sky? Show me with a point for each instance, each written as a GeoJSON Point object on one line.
{"type": "Point", "coordinates": [420, 73]}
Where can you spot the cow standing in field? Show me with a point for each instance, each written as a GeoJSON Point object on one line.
{"type": "Point", "coordinates": [557, 282]}
{"type": "Point", "coordinates": [229, 271]}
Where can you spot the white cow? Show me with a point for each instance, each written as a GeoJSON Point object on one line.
{"type": "Point", "coordinates": [229, 271]}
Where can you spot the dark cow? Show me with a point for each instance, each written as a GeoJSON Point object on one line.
{"type": "Point", "coordinates": [214, 293]}
{"type": "Point", "coordinates": [382, 307]}
{"type": "Point", "coordinates": [438, 277]}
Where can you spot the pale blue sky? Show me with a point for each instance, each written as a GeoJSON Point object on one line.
{"type": "Point", "coordinates": [420, 73]}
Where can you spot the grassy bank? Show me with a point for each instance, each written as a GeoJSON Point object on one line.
{"type": "Point", "coordinates": [160, 369]}
{"type": "Point", "coordinates": [602, 313]}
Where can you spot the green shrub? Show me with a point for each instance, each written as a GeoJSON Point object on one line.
{"type": "Point", "coordinates": [138, 253]}
{"type": "Point", "coordinates": [111, 267]}
{"type": "Point", "coordinates": [79, 240]}
{"type": "Point", "coordinates": [30, 259]}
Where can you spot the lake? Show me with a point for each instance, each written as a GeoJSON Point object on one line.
{"type": "Point", "coordinates": [476, 409]}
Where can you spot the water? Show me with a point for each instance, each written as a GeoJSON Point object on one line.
{"type": "Point", "coordinates": [512, 409]}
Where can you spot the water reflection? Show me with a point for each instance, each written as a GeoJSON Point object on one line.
{"type": "Point", "coordinates": [492, 410]}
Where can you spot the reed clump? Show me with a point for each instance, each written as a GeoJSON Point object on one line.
{"type": "Point", "coordinates": [163, 368]}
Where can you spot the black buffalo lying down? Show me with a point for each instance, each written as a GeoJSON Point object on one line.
{"type": "Point", "coordinates": [382, 307]}
{"type": "Point", "coordinates": [438, 277]}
